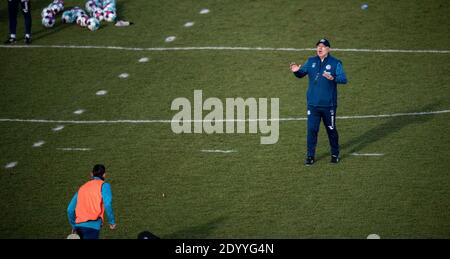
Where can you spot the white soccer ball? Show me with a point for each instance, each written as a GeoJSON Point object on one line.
{"type": "Point", "coordinates": [56, 8]}
{"type": "Point", "coordinates": [93, 24]}
{"type": "Point", "coordinates": [90, 6]}
{"type": "Point", "coordinates": [82, 20]}
{"type": "Point", "coordinates": [68, 17]}
{"type": "Point", "coordinates": [79, 12]}
{"type": "Point", "coordinates": [61, 6]}
{"type": "Point", "coordinates": [109, 5]}
{"type": "Point", "coordinates": [47, 11]}
{"type": "Point", "coordinates": [73, 236]}
{"type": "Point", "coordinates": [110, 16]}
{"type": "Point", "coordinates": [48, 21]}
{"type": "Point", "coordinates": [98, 13]}
{"type": "Point", "coordinates": [76, 10]}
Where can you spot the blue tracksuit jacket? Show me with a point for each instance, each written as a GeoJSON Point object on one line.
{"type": "Point", "coordinates": [321, 91]}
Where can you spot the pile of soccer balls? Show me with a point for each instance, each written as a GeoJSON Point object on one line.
{"type": "Point", "coordinates": [49, 13]}
{"type": "Point", "coordinates": [96, 12]}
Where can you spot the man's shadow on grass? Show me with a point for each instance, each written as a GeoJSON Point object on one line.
{"type": "Point", "coordinates": [390, 126]}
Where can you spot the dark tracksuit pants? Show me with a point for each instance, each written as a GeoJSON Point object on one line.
{"type": "Point", "coordinates": [13, 9]}
{"type": "Point", "coordinates": [328, 115]}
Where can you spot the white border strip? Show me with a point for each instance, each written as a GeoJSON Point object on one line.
{"type": "Point", "coordinates": [225, 48]}
{"type": "Point", "coordinates": [235, 120]}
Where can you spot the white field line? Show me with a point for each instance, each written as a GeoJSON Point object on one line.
{"type": "Point", "coordinates": [367, 154]}
{"type": "Point", "coordinates": [101, 92]}
{"type": "Point", "coordinates": [11, 165]}
{"type": "Point", "coordinates": [58, 128]}
{"type": "Point", "coordinates": [217, 151]}
{"type": "Point", "coordinates": [74, 149]}
{"type": "Point", "coordinates": [78, 112]}
{"type": "Point", "coordinates": [39, 144]}
{"type": "Point", "coordinates": [235, 120]}
{"type": "Point", "coordinates": [124, 75]}
{"type": "Point", "coordinates": [225, 48]}
{"type": "Point", "coordinates": [170, 38]}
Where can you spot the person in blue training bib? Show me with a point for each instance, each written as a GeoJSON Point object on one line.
{"type": "Point", "coordinates": [324, 72]}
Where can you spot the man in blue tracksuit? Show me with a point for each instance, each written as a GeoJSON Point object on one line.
{"type": "Point", "coordinates": [324, 72]}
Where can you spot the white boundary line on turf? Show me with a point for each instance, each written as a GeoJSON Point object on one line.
{"type": "Point", "coordinates": [74, 149]}
{"type": "Point", "coordinates": [190, 121]}
{"type": "Point", "coordinates": [217, 151]}
{"type": "Point", "coordinates": [11, 165]}
{"type": "Point", "coordinates": [225, 48]}
{"type": "Point", "coordinates": [367, 154]}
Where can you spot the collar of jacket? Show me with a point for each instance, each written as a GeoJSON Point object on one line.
{"type": "Point", "coordinates": [325, 59]}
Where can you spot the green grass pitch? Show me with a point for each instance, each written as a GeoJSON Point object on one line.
{"type": "Point", "coordinates": [260, 191]}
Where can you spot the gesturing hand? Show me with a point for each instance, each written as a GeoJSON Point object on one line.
{"type": "Point", "coordinates": [328, 76]}
{"type": "Point", "coordinates": [295, 67]}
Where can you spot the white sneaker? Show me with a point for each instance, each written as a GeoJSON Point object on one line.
{"type": "Point", "coordinates": [123, 23]}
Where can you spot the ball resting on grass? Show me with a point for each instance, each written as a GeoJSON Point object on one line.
{"type": "Point", "coordinates": [373, 236]}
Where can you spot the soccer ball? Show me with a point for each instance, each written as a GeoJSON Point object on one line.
{"type": "Point", "coordinates": [47, 11]}
{"type": "Point", "coordinates": [93, 24]}
{"type": "Point", "coordinates": [79, 12]}
{"type": "Point", "coordinates": [56, 8]}
{"type": "Point", "coordinates": [48, 21]}
{"type": "Point", "coordinates": [82, 20]}
{"type": "Point", "coordinates": [90, 6]}
{"type": "Point", "coordinates": [73, 236]}
{"type": "Point", "coordinates": [76, 10]}
{"type": "Point", "coordinates": [98, 13]}
{"type": "Point", "coordinates": [109, 4]}
{"type": "Point", "coordinates": [68, 17]}
{"type": "Point", "coordinates": [110, 16]}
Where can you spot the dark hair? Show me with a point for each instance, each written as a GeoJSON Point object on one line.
{"type": "Point", "coordinates": [98, 170]}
